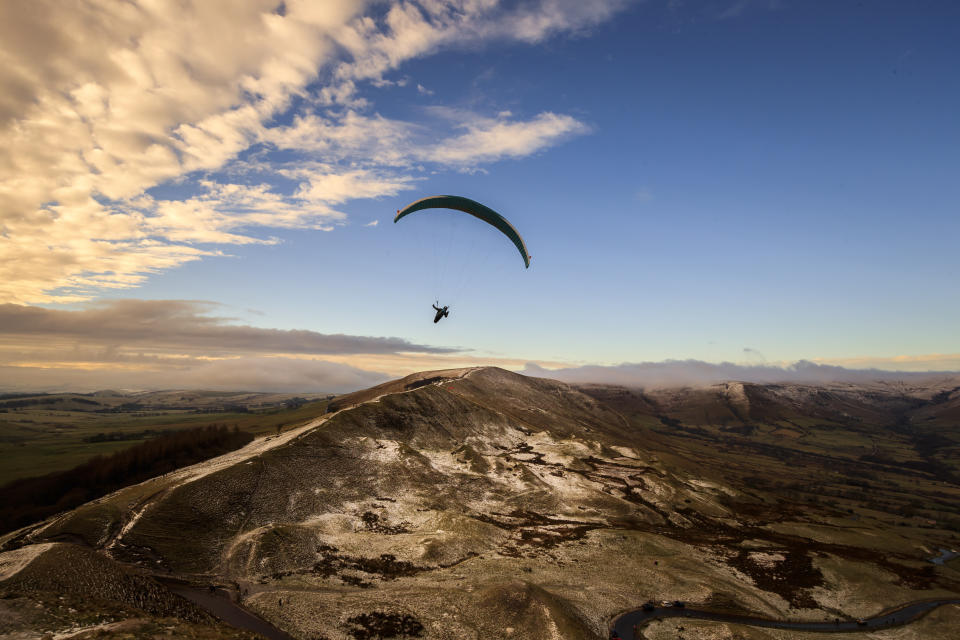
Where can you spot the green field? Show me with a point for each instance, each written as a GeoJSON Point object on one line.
{"type": "Point", "coordinates": [59, 431]}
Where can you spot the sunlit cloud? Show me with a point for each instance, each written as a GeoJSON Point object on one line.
{"type": "Point", "coordinates": [244, 373]}
{"type": "Point", "coordinates": [181, 326]}
{"type": "Point", "coordinates": [182, 344]}
{"type": "Point", "coordinates": [101, 101]}
{"type": "Point", "coordinates": [487, 140]}
{"type": "Point", "coordinates": [192, 344]}
{"type": "Point", "coordinates": [923, 362]}
{"type": "Point", "coordinates": [151, 344]}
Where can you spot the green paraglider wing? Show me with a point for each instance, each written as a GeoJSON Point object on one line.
{"type": "Point", "coordinates": [474, 208]}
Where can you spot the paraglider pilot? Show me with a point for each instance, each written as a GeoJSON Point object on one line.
{"type": "Point", "coordinates": [442, 312]}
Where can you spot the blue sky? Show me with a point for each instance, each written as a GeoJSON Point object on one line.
{"type": "Point", "coordinates": [722, 181]}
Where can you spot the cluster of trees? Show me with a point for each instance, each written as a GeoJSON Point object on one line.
{"type": "Point", "coordinates": [117, 436]}
{"type": "Point", "coordinates": [32, 402]}
{"type": "Point", "coordinates": [138, 408]}
{"type": "Point", "coordinates": [31, 499]}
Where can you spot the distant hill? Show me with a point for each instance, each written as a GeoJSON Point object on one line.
{"type": "Point", "coordinates": [187, 400]}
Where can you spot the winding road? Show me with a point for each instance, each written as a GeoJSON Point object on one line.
{"type": "Point", "coordinates": [905, 614]}
{"type": "Point", "coordinates": [220, 604]}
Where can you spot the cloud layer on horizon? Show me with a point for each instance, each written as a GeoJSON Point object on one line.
{"type": "Point", "coordinates": [166, 344]}
{"type": "Point", "coordinates": [178, 344]}
{"type": "Point", "coordinates": [179, 325]}
{"type": "Point", "coordinates": [680, 373]}
{"type": "Point", "coordinates": [221, 100]}
{"type": "Point", "coordinates": [279, 374]}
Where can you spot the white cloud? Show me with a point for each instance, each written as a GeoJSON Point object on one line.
{"type": "Point", "coordinates": [394, 146]}
{"type": "Point", "coordinates": [372, 223]}
{"type": "Point", "coordinates": [343, 137]}
{"type": "Point", "coordinates": [487, 140]}
{"type": "Point", "coordinates": [101, 101]}
{"type": "Point", "coordinates": [346, 185]}
{"type": "Point", "coordinates": [422, 90]}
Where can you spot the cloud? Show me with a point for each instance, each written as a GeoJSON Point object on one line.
{"type": "Point", "coordinates": [372, 223]}
{"type": "Point", "coordinates": [734, 10]}
{"type": "Point", "coordinates": [165, 344]}
{"type": "Point", "coordinates": [400, 144]}
{"type": "Point", "coordinates": [247, 374]}
{"type": "Point", "coordinates": [380, 83]}
{"type": "Point", "coordinates": [739, 7]}
{"type": "Point", "coordinates": [122, 97]}
{"type": "Point", "coordinates": [344, 136]}
{"type": "Point", "coordinates": [281, 374]}
{"type": "Point", "coordinates": [181, 344]}
{"type": "Point", "coordinates": [422, 90]}
{"type": "Point", "coordinates": [180, 326]}
{"type": "Point", "coordinates": [102, 101]}
{"type": "Point", "coordinates": [487, 140]}
{"type": "Point", "coordinates": [919, 363]}
{"type": "Point", "coordinates": [675, 373]}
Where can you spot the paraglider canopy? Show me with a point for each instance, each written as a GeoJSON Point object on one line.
{"type": "Point", "coordinates": [474, 208]}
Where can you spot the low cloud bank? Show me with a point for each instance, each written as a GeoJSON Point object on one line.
{"type": "Point", "coordinates": [281, 375]}
{"type": "Point", "coordinates": [678, 373]}
{"type": "Point", "coordinates": [178, 344]}
{"type": "Point", "coordinates": [181, 324]}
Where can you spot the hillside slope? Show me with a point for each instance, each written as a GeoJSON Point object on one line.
{"type": "Point", "coordinates": [482, 503]}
